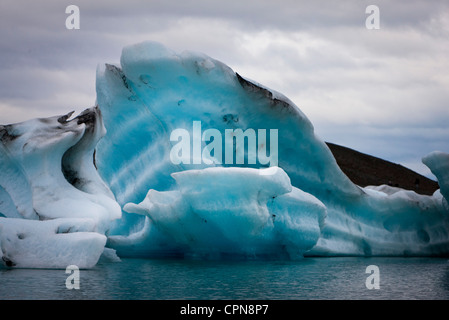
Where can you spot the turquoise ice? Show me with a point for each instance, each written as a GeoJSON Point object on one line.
{"type": "Point", "coordinates": [107, 180]}
{"type": "Point", "coordinates": [155, 91]}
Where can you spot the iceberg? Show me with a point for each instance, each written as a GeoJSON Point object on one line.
{"type": "Point", "coordinates": [438, 163]}
{"type": "Point", "coordinates": [243, 213]}
{"type": "Point", "coordinates": [48, 173]}
{"type": "Point", "coordinates": [48, 169]}
{"type": "Point", "coordinates": [55, 243]}
{"type": "Point", "coordinates": [182, 156]}
{"type": "Point", "coordinates": [156, 91]}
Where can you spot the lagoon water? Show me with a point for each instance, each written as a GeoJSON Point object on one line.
{"type": "Point", "coordinates": [310, 278]}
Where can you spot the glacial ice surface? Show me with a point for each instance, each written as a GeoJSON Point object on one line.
{"type": "Point", "coordinates": [55, 243]}
{"type": "Point", "coordinates": [438, 163]}
{"type": "Point", "coordinates": [106, 180]}
{"type": "Point", "coordinates": [155, 91]}
{"type": "Point", "coordinates": [245, 212]}
{"type": "Point", "coordinates": [48, 179]}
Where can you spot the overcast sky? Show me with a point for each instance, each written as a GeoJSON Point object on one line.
{"type": "Point", "coordinates": [384, 92]}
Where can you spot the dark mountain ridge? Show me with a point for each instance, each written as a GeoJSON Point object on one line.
{"type": "Point", "coordinates": [365, 170]}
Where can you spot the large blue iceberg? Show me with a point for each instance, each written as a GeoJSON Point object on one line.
{"type": "Point", "coordinates": [184, 157]}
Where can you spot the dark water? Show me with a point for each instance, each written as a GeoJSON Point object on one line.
{"type": "Point", "coordinates": [310, 278]}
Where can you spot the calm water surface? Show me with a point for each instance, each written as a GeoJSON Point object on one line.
{"type": "Point", "coordinates": [310, 278]}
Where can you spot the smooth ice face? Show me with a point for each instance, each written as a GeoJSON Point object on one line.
{"type": "Point", "coordinates": [239, 212]}
{"type": "Point", "coordinates": [385, 222]}
{"type": "Point", "coordinates": [438, 163]}
{"type": "Point", "coordinates": [55, 243]}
